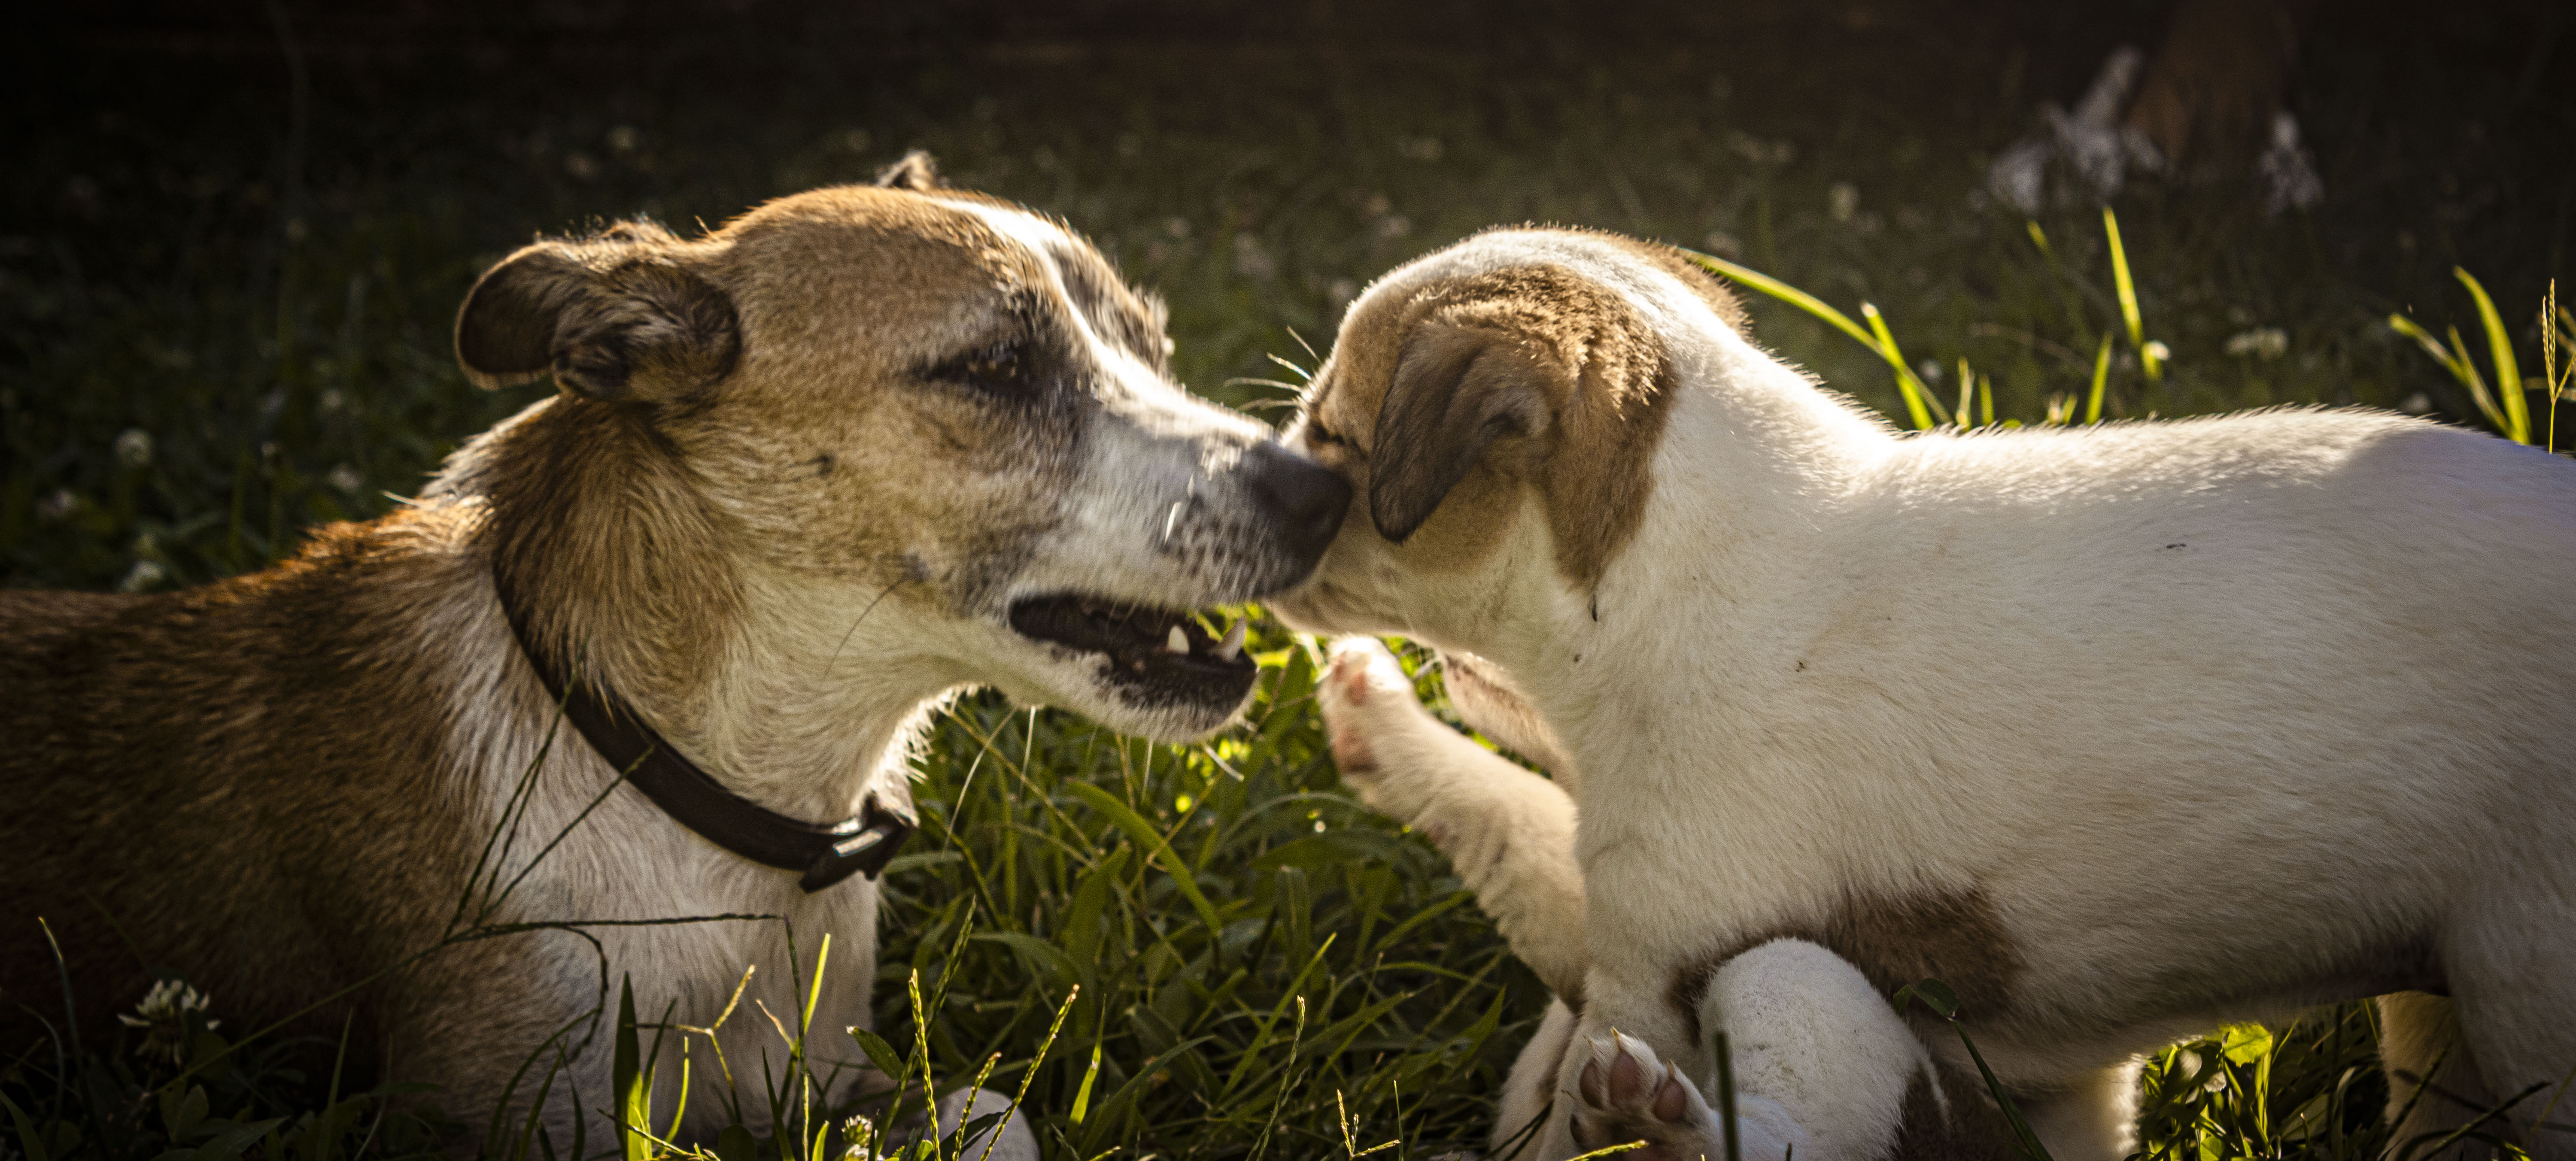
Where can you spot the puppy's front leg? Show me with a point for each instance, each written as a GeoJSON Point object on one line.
{"type": "Point", "coordinates": [1509, 832]}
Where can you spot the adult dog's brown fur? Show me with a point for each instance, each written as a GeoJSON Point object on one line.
{"type": "Point", "coordinates": [808, 474]}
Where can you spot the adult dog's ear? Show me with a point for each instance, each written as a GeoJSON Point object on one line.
{"type": "Point", "coordinates": [915, 172]}
{"type": "Point", "coordinates": [1457, 390]}
{"type": "Point", "coordinates": [614, 318]}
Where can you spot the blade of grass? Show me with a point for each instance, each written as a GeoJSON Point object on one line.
{"type": "Point", "coordinates": [1030, 1074]}
{"type": "Point", "coordinates": [2465, 374]}
{"type": "Point", "coordinates": [2517, 410]}
{"type": "Point", "coordinates": [2424, 338]}
{"type": "Point", "coordinates": [2101, 382]}
{"type": "Point", "coordinates": [2477, 383]}
{"type": "Point", "coordinates": [1146, 836]}
{"type": "Point", "coordinates": [2551, 377]}
{"type": "Point", "coordinates": [1082, 1095]}
{"type": "Point", "coordinates": [1906, 382]}
{"type": "Point", "coordinates": [2128, 289]}
{"type": "Point", "coordinates": [634, 1105]}
{"type": "Point", "coordinates": [1944, 1003]}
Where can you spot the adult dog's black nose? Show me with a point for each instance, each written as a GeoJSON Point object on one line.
{"type": "Point", "coordinates": [1305, 501]}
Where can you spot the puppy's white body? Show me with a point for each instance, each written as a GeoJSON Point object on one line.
{"type": "Point", "coordinates": [2207, 720]}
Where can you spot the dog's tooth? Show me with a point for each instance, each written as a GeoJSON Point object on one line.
{"type": "Point", "coordinates": [1233, 643]}
{"type": "Point", "coordinates": [1176, 641]}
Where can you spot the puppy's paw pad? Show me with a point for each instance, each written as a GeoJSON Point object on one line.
{"type": "Point", "coordinates": [1367, 700]}
{"type": "Point", "coordinates": [1625, 1093]}
{"type": "Point", "coordinates": [1363, 674]}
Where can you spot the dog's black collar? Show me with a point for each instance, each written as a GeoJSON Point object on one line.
{"type": "Point", "coordinates": [826, 852]}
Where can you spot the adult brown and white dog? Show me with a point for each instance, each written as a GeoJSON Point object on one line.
{"type": "Point", "coordinates": [808, 475]}
{"type": "Point", "coordinates": [2123, 732]}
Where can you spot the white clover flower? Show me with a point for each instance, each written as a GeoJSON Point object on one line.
{"type": "Point", "coordinates": [165, 1015]}
{"type": "Point", "coordinates": [2260, 343]}
{"type": "Point", "coordinates": [1843, 200]}
{"type": "Point", "coordinates": [134, 448]}
{"type": "Point", "coordinates": [1252, 261]}
{"type": "Point", "coordinates": [143, 575]}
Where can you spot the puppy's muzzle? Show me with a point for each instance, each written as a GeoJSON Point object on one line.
{"type": "Point", "coordinates": [1302, 500]}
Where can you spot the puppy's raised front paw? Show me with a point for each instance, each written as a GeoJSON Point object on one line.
{"type": "Point", "coordinates": [1369, 708]}
{"type": "Point", "coordinates": [1626, 1093]}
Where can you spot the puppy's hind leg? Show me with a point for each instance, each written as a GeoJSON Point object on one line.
{"type": "Point", "coordinates": [2511, 968]}
{"type": "Point", "coordinates": [2095, 1119]}
{"type": "Point", "coordinates": [1509, 832]}
{"type": "Point", "coordinates": [1813, 1039]}
{"type": "Point", "coordinates": [2433, 1085]}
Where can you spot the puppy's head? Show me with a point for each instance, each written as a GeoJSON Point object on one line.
{"type": "Point", "coordinates": [917, 414]}
{"type": "Point", "coordinates": [1496, 407]}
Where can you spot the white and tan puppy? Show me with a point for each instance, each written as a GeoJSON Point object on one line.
{"type": "Point", "coordinates": [2122, 732]}
{"type": "Point", "coordinates": [807, 476]}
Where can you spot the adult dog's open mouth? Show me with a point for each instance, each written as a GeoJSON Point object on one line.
{"type": "Point", "coordinates": [1160, 651]}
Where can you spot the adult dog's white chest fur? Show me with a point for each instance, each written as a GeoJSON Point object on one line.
{"type": "Point", "coordinates": [686, 921]}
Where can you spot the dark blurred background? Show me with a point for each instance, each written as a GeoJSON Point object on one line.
{"type": "Point", "coordinates": [235, 233]}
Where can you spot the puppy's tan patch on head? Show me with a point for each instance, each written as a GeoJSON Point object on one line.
{"type": "Point", "coordinates": [1473, 385]}
{"type": "Point", "coordinates": [1710, 288]}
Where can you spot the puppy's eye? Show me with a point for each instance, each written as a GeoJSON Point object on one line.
{"type": "Point", "coordinates": [1320, 437]}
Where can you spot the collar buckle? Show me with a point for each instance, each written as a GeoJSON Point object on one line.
{"type": "Point", "coordinates": [879, 837]}
{"type": "Point", "coordinates": [826, 853]}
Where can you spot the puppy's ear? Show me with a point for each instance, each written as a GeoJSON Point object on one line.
{"type": "Point", "coordinates": [1457, 389]}
{"type": "Point", "coordinates": [614, 318]}
{"type": "Point", "coordinates": [915, 172]}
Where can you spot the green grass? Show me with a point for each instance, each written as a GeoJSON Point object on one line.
{"type": "Point", "coordinates": [226, 286]}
